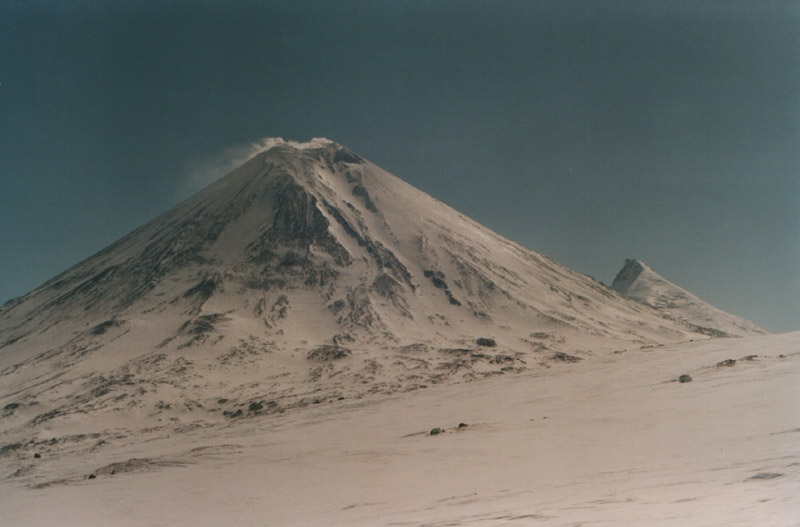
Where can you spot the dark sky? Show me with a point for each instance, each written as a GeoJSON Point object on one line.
{"type": "Point", "coordinates": [588, 131]}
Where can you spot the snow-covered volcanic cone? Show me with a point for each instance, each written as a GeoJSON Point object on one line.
{"type": "Point", "coordinates": [307, 273]}
{"type": "Point", "coordinates": [277, 348]}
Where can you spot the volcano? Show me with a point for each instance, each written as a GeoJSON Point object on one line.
{"type": "Point", "coordinates": [281, 347]}
{"type": "Point", "coordinates": [307, 273]}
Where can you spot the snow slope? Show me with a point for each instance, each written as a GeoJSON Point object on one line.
{"type": "Point", "coordinates": [636, 280]}
{"type": "Point", "coordinates": [612, 441]}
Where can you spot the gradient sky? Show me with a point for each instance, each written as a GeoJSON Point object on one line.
{"type": "Point", "coordinates": [588, 131]}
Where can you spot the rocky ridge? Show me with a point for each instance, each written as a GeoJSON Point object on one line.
{"type": "Point", "coordinates": [637, 281]}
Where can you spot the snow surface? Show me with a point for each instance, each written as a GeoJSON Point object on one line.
{"type": "Point", "coordinates": [611, 441]}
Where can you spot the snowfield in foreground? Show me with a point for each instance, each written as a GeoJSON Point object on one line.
{"type": "Point", "coordinates": [614, 440]}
